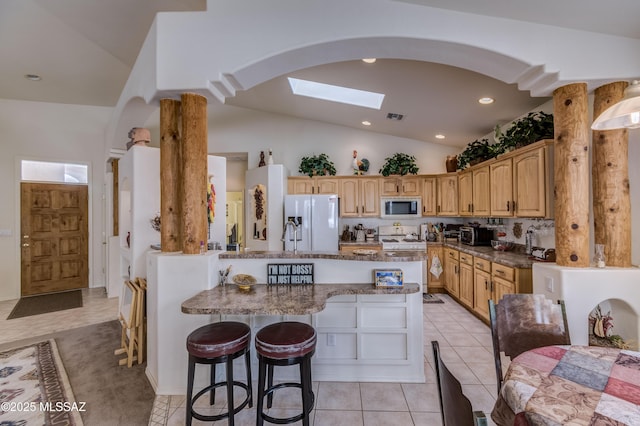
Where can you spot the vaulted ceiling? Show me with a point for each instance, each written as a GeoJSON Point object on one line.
{"type": "Point", "coordinates": [84, 51]}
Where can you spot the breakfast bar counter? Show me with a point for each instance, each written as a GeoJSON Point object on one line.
{"type": "Point", "coordinates": [263, 299]}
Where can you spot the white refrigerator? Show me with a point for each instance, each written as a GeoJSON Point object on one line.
{"type": "Point", "coordinates": [317, 219]}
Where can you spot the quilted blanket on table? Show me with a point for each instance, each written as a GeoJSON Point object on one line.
{"type": "Point", "coordinates": [577, 385]}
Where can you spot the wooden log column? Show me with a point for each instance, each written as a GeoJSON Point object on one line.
{"type": "Point", "coordinates": [610, 171]}
{"type": "Point", "coordinates": [194, 166]}
{"type": "Point", "coordinates": [170, 176]}
{"type": "Point", "coordinates": [571, 174]}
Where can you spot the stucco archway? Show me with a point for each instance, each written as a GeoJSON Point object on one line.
{"type": "Point", "coordinates": [236, 45]}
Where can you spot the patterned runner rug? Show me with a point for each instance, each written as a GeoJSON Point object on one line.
{"type": "Point", "coordinates": [34, 388]}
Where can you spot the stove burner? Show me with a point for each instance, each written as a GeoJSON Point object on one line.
{"type": "Point", "coordinates": [410, 240]}
{"type": "Point", "coordinates": [389, 240]}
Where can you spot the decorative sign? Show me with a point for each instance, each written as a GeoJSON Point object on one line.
{"type": "Point", "coordinates": [290, 273]}
{"type": "Point", "coordinates": [388, 277]}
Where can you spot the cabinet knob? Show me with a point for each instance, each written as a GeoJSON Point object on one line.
{"type": "Point", "coordinates": [25, 245]}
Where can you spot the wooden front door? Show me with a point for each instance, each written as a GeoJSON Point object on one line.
{"type": "Point", "coordinates": [54, 237]}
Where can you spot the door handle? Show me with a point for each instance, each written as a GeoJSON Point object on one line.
{"type": "Point", "coordinates": [25, 245]}
{"type": "Point", "coordinates": [25, 236]}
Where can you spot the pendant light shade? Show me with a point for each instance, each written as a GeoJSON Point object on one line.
{"type": "Point", "coordinates": [624, 114]}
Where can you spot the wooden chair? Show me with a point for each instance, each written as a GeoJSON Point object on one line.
{"type": "Point", "coordinates": [521, 322]}
{"type": "Point", "coordinates": [456, 408]}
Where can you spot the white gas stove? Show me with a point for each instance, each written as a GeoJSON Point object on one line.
{"type": "Point", "coordinates": [401, 238]}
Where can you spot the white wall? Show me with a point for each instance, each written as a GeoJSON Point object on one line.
{"type": "Point", "coordinates": [50, 132]}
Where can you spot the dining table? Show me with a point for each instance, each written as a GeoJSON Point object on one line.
{"type": "Point", "coordinates": [570, 385]}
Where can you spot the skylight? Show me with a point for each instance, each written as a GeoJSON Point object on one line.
{"type": "Point", "coordinates": [332, 93]}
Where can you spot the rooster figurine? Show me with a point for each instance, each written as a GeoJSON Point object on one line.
{"type": "Point", "coordinates": [359, 166]}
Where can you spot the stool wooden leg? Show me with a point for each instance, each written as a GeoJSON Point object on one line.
{"type": "Point", "coordinates": [261, 379]}
{"type": "Point", "coordinates": [190, 374]}
{"type": "Point", "coordinates": [230, 404]}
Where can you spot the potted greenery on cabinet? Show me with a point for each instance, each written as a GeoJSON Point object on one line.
{"type": "Point", "coordinates": [399, 164]}
{"type": "Point", "coordinates": [531, 128]}
{"type": "Point", "coordinates": [317, 165]}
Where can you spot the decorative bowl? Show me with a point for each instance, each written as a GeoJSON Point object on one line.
{"type": "Point", "coordinates": [244, 281]}
{"type": "Point", "coordinates": [502, 245]}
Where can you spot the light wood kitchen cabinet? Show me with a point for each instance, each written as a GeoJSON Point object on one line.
{"type": "Point", "coordinates": [359, 197]}
{"type": "Point", "coordinates": [482, 286]}
{"type": "Point", "coordinates": [521, 184]}
{"type": "Point", "coordinates": [465, 193]}
{"type": "Point", "coordinates": [447, 195]}
{"type": "Point", "coordinates": [501, 179]}
{"type": "Point", "coordinates": [466, 280]}
{"type": "Point", "coordinates": [429, 199]}
{"type": "Point", "coordinates": [480, 204]}
{"type": "Point", "coordinates": [473, 192]}
{"type": "Point", "coordinates": [405, 185]}
{"type": "Point", "coordinates": [451, 272]}
{"type": "Point", "coordinates": [531, 188]}
{"type": "Point", "coordinates": [435, 284]}
{"type": "Point", "coordinates": [314, 185]}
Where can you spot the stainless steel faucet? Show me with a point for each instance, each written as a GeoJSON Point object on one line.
{"type": "Point", "coordinates": [294, 223]}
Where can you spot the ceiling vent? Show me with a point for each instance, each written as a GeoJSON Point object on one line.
{"type": "Point", "coordinates": [394, 116]}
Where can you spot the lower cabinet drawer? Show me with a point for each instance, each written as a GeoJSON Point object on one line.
{"type": "Point", "coordinates": [504, 272]}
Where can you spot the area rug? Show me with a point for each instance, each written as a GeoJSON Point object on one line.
{"type": "Point", "coordinates": [431, 298]}
{"type": "Point", "coordinates": [34, 305]}
{"type": "Point", "coordinates": [114, 394]}
{"type": "Point", "coordinates": [34, 388]}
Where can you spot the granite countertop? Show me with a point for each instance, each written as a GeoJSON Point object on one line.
{"type": "Point", "coordinates": [513, 259]}
{"type": "Point", "coordinates": [263, 299]}
{"type": "Point", "coordinates": [380, 256]}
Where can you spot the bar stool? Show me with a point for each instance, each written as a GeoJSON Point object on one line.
{"type": "Point", "coordinates": [217, 343]}
{"type": "Point", "coordinates": [282, 344]}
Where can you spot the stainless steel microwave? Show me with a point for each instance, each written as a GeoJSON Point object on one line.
{"type": "Point", "coordinates": [400, 207]}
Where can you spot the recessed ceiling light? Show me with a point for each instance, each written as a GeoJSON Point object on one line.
{"type": "Point", "coordinates": [439, 136]}
{"type": "Point", "coordinates": [486, 101]}
{"type": "Point", "coordinates": [369, 60]}
{"type": "Point", "coordinates": [33, 77]}
{"type": "Point", "coordinates": [366, 123]}
{"type": "Point", "coordinates": [328, 92]}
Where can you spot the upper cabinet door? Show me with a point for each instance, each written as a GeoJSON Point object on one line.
{"type": "Point", "coordinates": [465, 193]}
{"type": "Point", "coordinates": [369, 197]}
{"type": "Point", "coordinates": [326, 185]}
{"type": "Point", "coordinates": [501, 181]}
{"type": "Point", "coordinates": [429, 200]}
{"type": "Point", "coordinates": [481, 192]}
{"type": "Point", "coordinates": [530, 186]}
{"type": "Point", "coordinates": [447, 195]}
{"type": "Point", "coordinates": [300, 185]}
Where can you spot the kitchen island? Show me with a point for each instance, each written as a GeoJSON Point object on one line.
{"type": "Point", "coordinates": [364, 333]}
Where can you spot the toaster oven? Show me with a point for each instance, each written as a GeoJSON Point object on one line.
{"type": "Point", "coordinates": [475, 236]}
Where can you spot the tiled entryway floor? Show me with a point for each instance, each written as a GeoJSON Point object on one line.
{"type": "Point", "coordinates": [466, 347]}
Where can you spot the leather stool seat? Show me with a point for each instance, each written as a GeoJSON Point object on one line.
{"type": "Point", "coordinates": [218, 339]}
{"type": "Point", "coordinates": [283, 344]}
{"type": "Point", "coordinates": [217, 343]}
{"type": "Point", "coordinates": [286, 340]}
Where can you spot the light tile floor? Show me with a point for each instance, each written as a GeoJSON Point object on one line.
{"type": "Point", "coordinates": [96, 308]}
{"type": "Point", "coordinates": [465, 344]}
{"type": "Point", "coordinates": [466, 348]}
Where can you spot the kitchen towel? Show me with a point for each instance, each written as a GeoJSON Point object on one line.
{"type": "Point", "coordinates": [436, 266]}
